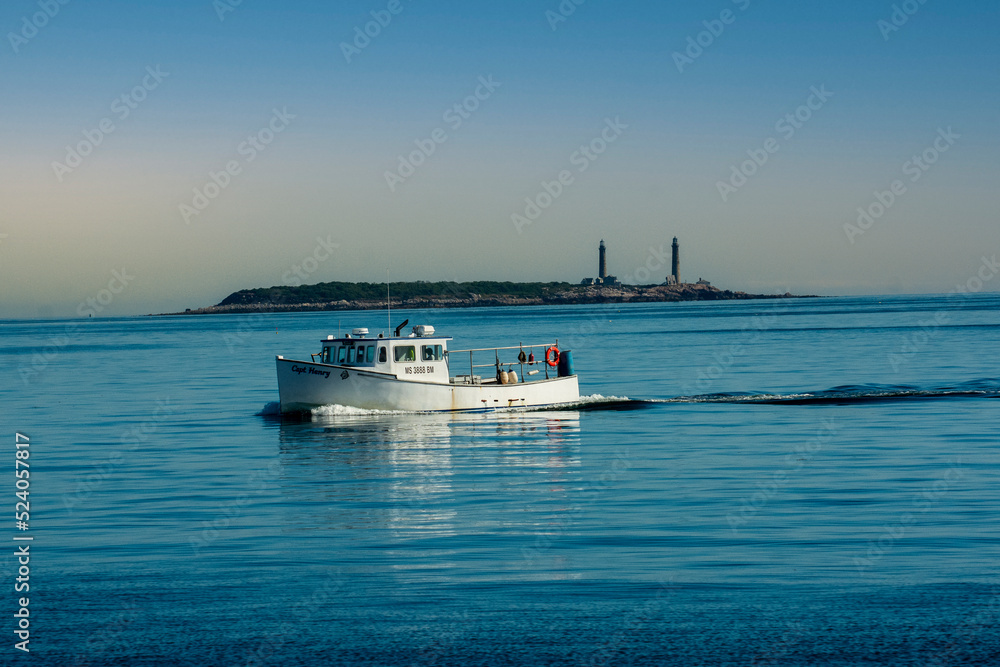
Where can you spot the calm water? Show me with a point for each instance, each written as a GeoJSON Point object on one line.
{"type": "Point", "coordinates": [810, 481]}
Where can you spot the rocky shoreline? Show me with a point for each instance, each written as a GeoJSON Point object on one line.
{"type": "Point", "coordinates": [248, 301]}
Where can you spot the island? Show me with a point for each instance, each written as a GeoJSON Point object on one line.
{"type": "Point", "coordinates": [477, 294]}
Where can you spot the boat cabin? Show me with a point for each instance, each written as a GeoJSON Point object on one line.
{"type": "Point", "coordinates": [422, 356]}
{"type": "Point", "coordinates": [419, 356]}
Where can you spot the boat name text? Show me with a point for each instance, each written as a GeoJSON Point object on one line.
{"type": "Point", "coordinates": [312, 371]}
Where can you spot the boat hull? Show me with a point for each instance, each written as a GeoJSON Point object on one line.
{"type": "Point", "coordinates": [304, 385]}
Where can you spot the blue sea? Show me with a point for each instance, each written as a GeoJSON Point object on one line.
{"type": "Point", "coordinates": [766, 482]}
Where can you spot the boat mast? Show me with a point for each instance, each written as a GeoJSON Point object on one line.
{"type": "Point", "coordinates": [388, 307]}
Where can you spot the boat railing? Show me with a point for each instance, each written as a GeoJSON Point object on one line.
{"type": "Point", "coordinates": [496, 353]}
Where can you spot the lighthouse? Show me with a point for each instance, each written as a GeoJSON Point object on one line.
{"type": "Point", "coordinates": [602, 269]}
{"type": "Point", "coordinates": [675, 262]}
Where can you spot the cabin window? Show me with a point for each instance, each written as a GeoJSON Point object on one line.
{"type": "Point", "coordinates": [370, 354]}
{"type": "Point", "coordinates": [341, 354]}
{"type": "Point", "coordinates": [381, 355]}
{"type": "Point", "coordinates": [431, 352]}
{"type": "Point", "coordinates": [326, 355]}
{"type": "Point", "coordinates": [361, 353]}
{"type": "Point", "coordinates": [405, 352]}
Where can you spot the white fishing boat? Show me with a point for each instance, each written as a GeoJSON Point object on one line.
{"type": "Point", "coordinates": [414, 372]}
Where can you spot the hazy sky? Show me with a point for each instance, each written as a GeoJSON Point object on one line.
{"type": "Point", "coordinates": [337, 154]}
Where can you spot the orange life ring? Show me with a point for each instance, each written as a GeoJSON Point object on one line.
{"type": "Point", "coordinates": [552, 356]}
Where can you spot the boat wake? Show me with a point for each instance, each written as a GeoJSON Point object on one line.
{"type": "Point", "coordinates": [842, 395]}
{"type": "Point", "coordinates": [593, 402]}
{"type": "Point", "coordinates": [849, 394]}
{"type": "Point", "coordinates": [327, 411]}
{"type": "Point", "coordinates": [273, 411]}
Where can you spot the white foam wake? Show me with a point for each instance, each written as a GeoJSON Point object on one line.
{"type": "Point", "coordinates": [273, 408]}
{"type": "Point", "coordinates": [598, 398]}
{"type": "Point", "coordinates": [351, 411]}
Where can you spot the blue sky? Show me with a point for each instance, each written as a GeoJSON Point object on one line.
{"type": "Point", "coordinates": [321, 180]}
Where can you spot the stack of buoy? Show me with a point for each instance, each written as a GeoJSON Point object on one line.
{"type": "Point", "coordinates": [507, 377]}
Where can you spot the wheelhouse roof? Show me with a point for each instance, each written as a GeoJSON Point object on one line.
{"type": "Point", "coordinates": [354, 339]}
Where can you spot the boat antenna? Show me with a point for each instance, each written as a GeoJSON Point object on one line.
{"type": "Point", "coordinates": [388, 307]}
